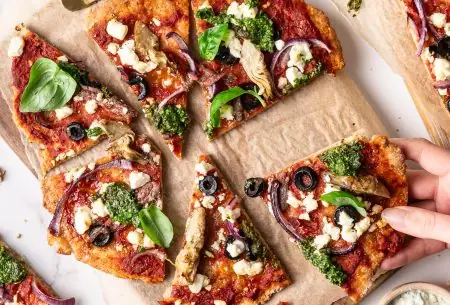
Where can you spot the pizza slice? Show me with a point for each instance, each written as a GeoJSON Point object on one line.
{"type": "Point", "coordinates": [331, 202]}
{"type": "Point", "coordinates": [108, 213]}
{"type": "Point", "coordinates": [224, 260]}
{"type": "Point", "coordinates": [146, 39]}
{"type": "Point", "coordinates": [58, 104]}
{"type": "Point", "coordinates": [20, 285]}
{"type": "Point", "coordinates": [255, 52]}
{"type": "Point", "coordinates": [429, 24]}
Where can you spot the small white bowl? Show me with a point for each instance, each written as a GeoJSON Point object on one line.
{"type": "Point", "coordinates": [437, 290]}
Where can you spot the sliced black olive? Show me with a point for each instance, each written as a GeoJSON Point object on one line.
{"type": "Point", "coordinates": [305, 178]}
{"type": "Point", "coordinates": [441, 48]}
{"type": "Point", "coordinates": [448, 104]}
{"type": "Point", "coordinates": [142, 83]}
{"type": "Point", "coordinates": [253, 187]}
{"type": "Point", "coordinates": [342, 250]}
{"type": "Point", "coordinates": [85, 81]}
{"type": "Point", "coordinates": [76, 131]}
{"type": "Point", "coordinates": [225, 57]}
{"type": "Point", "coordinates": [249, 102]}
{"type": "Point", "coordinates": [276, 33]}
{"type": "Point", "coordinates": [252, 251]}
{"type": "Point", "coordinates": [99, 235]}
{"type": "Point", "coordinates": [208, 185]}
{"type": "Point", "coordinates": [349, 210]}
{"type": "Point", "coordinates": [229, 241]}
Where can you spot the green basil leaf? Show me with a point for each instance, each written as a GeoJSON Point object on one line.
{"type": "Point", "coordinates": [49, 87]}
{"type": "Point", "coordinates": [341, 198]}
{"type": "Point", "coordinates": [94, 132]}
{"type": "Point", "coordinates": [210, 40]}
{"type": "Point", "coordinates": [156, 225]}
{"type": "Point", "coordinates": [224, 97]}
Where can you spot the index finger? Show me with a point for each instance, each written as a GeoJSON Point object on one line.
{"type": "Point", "coordinates": [431, 157]}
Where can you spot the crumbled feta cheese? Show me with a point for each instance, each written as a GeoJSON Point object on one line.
{"type": "Point", "coordinates": [247, 11]}
{"type": "Point", "coordinates": [321, 241]}
{"type": "Point", "coordinates": [233, 44]}
{"type": "Point", "coordinates": [226, 112]}
{"type": "Point", "coordinates": [235, 10]}
{"type": "Point", "coordinates": [63, 112]}
{"type": "Point", "coordinates": [229, 214]}
{"type": "Point", "coordinates": [310, 203]}
{"type": "Point", "coordinates": [345, 219]}
{"type": "Point", "coordinates": [200, 281]}
{"type": "Point", "coordinates": [279, 44]}
{"type": "Point", "coordinates": [203, 167]}
{"type": "Point", "coordinates": [138, 179]}
{"type": "Point", "coordinates": [299, 54]}
{"type": "Point", "coordinates": [219, 302]}
{"type": "Point", "coordinates": [135, 238]}
{"type": "Point", "coordinates": [157, 159]}
{"type": "Point", "coordinates": [99, 208]}
{"type": "Point", "coordinates": [91, 106]}
{"type": "Point", "coordinates": [438, 19]}
{"type": "Point", "coordinates": [116, 29]}
{"type": "Point", "coordinates": [129, 57]}
{"type": "Point", "coordinates": [103, 187]}
{"type": "Point", "coordinates": [63, 58]}
{"type": "Point", "coordinates": [207, 202]}
{"type": "Point", "coordinates": [304, 216]}
{"type": "Point", "coordinates": [244, 267]}
{"type": "Point", "coordinates": [292, 200]}
{"type": "Point", "coordinates": [204, 5]}
{"type": "Point", "coordinates": [156, 22]}
{"type": "Point", "coordinates": [330, 229]}
{"type": "Point", "coordinates": [348, 234]}
{"type": "Point", "coordinates": [443, 92]}
{"type": "Point", "coordinates": [167, 82]}
{"type": "Point", "coordinates": [441, 68]}
{"type": "Point", "coordinates": [197, 204]}
{"type": "Point", "coordinates": [362, 226]}
{"type": "Point", "coordinates": [221, 238]}
{"type": "Point", "coordinates": [144, 67]}
{"type": "Point", "coordinates": [221, 197]}
{"type": "Point", "coordinates": [427, 55]}
{"type": "Point", "coordinates": [113, 48]}
{"type": "Point", "coordinates": [376, 209]}
{"type": "Point", "coordinates": [292, 74]}
{"type": "Point", "coordinates": [148, 243]}
{"type": "Point", "coordinates": [70, 153]}
{"type": "Point", "coordinates": [16, 46]}
{"type": "Point", "coordinates": [91, 165]}
{"type": "Point", "coordinates": [83, 219]}
{"type": "Point", "coordinates": [74, 174]}
{"type": "Point", "coordinates": [77, 98]}
{"type": "Point", "coordinates": [236, 248]}
{"type": "Point", "coordinates": [282, 82]}
{"type": "Point", "coordinates": [146, 148]}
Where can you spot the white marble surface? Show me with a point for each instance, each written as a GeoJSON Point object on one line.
{"type": "Point", "coordinates": [20, 196]}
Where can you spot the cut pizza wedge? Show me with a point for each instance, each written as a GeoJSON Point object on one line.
{"type": "Point", "coordinates": [256, 51]}
{"type": "Point", "coordinates": [108, 213]}
{"type": "Point", "coordinates": [146, 39]}
{"type": "Point", "coordinates": [224, 260]}
{"type": "Point", "coordinates": [57, 104]}
{"type": "Point", "coordinates": [331, 202]}
{"type": "Point", "coordinates": [429, 23]}
{"type": "Point", "coordinates": [20, 285]}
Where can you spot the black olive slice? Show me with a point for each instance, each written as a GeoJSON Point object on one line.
{"type": "Point", "coordinates": [225, 57]}
{"type": "Point", "coordinates": [448, 104]}
{"type": "Point", "coordinates": [249, 102]}
{"type": "Point", "coordinates": [230, 239]}
{"type": "Point", "coordinates": [441, 48]}
{"type": "Point", "coordinates": [342, 248]}
{"type": "Point", "coordinates": [86, 81]}
{"type": "Point", "coordinates": [99, 235]}
{"type": "Point", "coordinates": [253, 187]}
{"type": "Point", "coordinates": [251, 251]}
{"type": "Point", "coordinates": [208, 185]}
{"type": "Point", "coordinates": [76, 131]}
{"type": "Point", "coordinates": [142, 83]}
{"type": "Point", "coordinates": [349, 210]}
{"type": "Point", "coordinates": [305, 178]}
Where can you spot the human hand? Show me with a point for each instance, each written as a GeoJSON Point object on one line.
{"type": "Point", "coordinates": [428, 220]}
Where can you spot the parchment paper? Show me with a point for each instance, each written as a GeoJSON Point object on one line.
{"type": "Point", "coordinates": [315, 116]}
{"type": "Point", "coordinates": [383, 23]}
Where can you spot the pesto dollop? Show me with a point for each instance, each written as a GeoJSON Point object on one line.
{"type": "Point", "coordinates": [321, 260]}
{"type": "Point", "coordinates": [353, 6]}
{"type": "Point", "coordinates": [170, 119]}
{"type": "Point", "coordinates": [343, 160]}
{"type": "Point", "coordinates": [121, 204]}
{"type": "Point", "coordinates": [11, 270]}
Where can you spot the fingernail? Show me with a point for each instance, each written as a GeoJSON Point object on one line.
{"type": "Point", "coordinates": [394, 216]}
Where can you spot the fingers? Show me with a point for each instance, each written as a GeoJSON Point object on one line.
{"type": "Point", "coordinates": [419, 222]}
{"type": "Point", "coordinates": [432, 158]}
{"type": "Point", "coordinates": [415, 250]}
{"type": "Point", "coordinates": [421, 185]}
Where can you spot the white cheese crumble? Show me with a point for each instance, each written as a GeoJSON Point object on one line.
{"type": "Point", "coordinates": [443, 92]}
{"type": "Point", "coordinates": [91, 165]}
{"type": "Point", "coordinates": [226, 112]}
{"type": "Point", "coordinates": [129, 57]}
{"type": "Point", "coordinates": [203, 167]}
{"type": "Point", "coordinates": [113, 48]}
{"type": "Point", "coordinates": [236, 248]}
{"type": "Point", "coordinates": [441, 68]}
{"type": "Point", "coordinates": [362, 226]}
{"type": "Point", "coordinates": [242, 10]}
{"type": "Point", "coordinates": [321, 241]}
{"type": "Point", "coordinates": [438, 20]}
{"type": "Point", "coordinates": [282, 82]}
{"type": "Point", "coordinates": [156, 22]}
{"type": "Point", "coordinates": [292, 74]}
{"type": "Point", "coordinates": [244, 267]}
{"type": "Point", "coordinates": [207, 202]}
{"type": "Point", "coordinates": [74, 174]}
{"type": "Point", "coordinates": [219, 302]}
{"type": "Point", "coordinates": [204, 5]}
{"type": "Point", "coordinates": [310, 203]}
{"type": "Point", "coordinates": [63, 112]}
{"type": "Point", "coordinates": [63, 58]}
{"type": "Point", "coordinates": [376, 209]}
{"type": "Point", "coordinates": [200, 281]}
{"type": "Point", "coordinates": [16, 46]}
{"type": "Point", "coordinates": [292, 200]}
{"type": "Point", "coordinates": [279, 44]}
{"type": "Point", "coordinates": [299, 54]}
{"type": "Point", "coordinates": [304, 216]}
{"type": "Point", "coordinates": [229, 214]}
{"type": "Point", "coordinates": [99, 208]}
{"type": "Point", "coordinates": [116, 29]}
{"type": "Point", "coordinates": [234, 44]}
{"type": "Point", "coordinates": [135, 238]}
{"type": "Point", "coordinates": [330, 229]}
{"type": "Point", "coordinates": [103, 187]}
{"type": "Point", "coordinates": [345, 219]}
{"type": "Point", "coordinates": [83, 219]}
{"type": "Point", "coordinates": [146, 148]}
{"type": "Point", "coordinates": [91, 106]}
{"type": "Point", "coordinates": [427, 55]}
{"type": "Point", "coordinates": [221, 238]}
{"type": "Point", "coordinates": [138, 179]}
{"type": "Point", "coordinates": [348, 234]}
{"type": "Point", "coordinates": [77, 98]}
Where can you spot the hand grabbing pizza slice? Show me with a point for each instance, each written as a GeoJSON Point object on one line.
{"type": "Point", "coordinates": [224, 260]}
{"type": "Point", "coordinates": [330, 204]}
{"type": "Point", "coordinates": [58, 104]}
{"type": "Point", "coordinates": [147, 41]}
{"type": "Point", "coordinates": [20, 285]}
{"type": "Point", "coordinates": [108, 213]}
{"type": "Point", "coordinates": [255, 52]}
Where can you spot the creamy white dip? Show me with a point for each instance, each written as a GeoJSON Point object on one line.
{"type": "Point", "coordinates": [419, 297]}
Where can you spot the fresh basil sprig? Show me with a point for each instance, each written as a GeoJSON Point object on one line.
{"type": "Point", "coordinates": [49, 87]}
{"type": "Point", "coordinates": [226, 96]}
{"type": "Point", "coordinates": [210, 40]}
{"type": "Point", "coordinates": [156, 225]}
{"type": "Point", "coordinates": [341, 198]}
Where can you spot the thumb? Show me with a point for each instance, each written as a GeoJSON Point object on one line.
{"type": "Point", "coordinates": [419, 222]}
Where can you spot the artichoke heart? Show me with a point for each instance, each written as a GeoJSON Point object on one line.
{"type": "Point", "coordinates": [252, 59]}
{"type": "Point", "coordinates": [147, 44]}
{"type": "Point", "coordinates": [365, 184]}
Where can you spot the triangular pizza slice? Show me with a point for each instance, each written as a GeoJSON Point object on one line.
{"type": "Point", "coordinates": [147, 41]}
{"type": "Point", "coordinates": [57, 104]}
{"type": "Point", "coordinates": [330, 203]}
{"type": "Point", "coordinates": [106, 212]}
{"type": "Point", "coordinates": [255, 52]}
{"type": "Point", "coordinates": [224, 260]}
{"type": "Point", "coordinates": [20, 285]}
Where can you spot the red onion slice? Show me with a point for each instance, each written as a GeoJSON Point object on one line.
{"type": "Point", "coordinates": [442, 84]}
{"type": "Point", "coordinates": [55, 224]}
{"type": "Point", "coordinates": [184, 50]}
{"type": "Point", "coordinates": [50, 300]}
{"type": "Point", "coordinates": [275, 204]}
{"type": "Point", "coordinates": [151, 252]}
{"type": "Point", "coordinates": [171, 96]}
{"type": "Point", "coordinates": [320, 44]}
{"type": "Point", "coordinates": [343, 251]}
{"type": "Point", "coordinates": [423, 26]}
{"type": "Point", "coordinates": [179, 40]}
